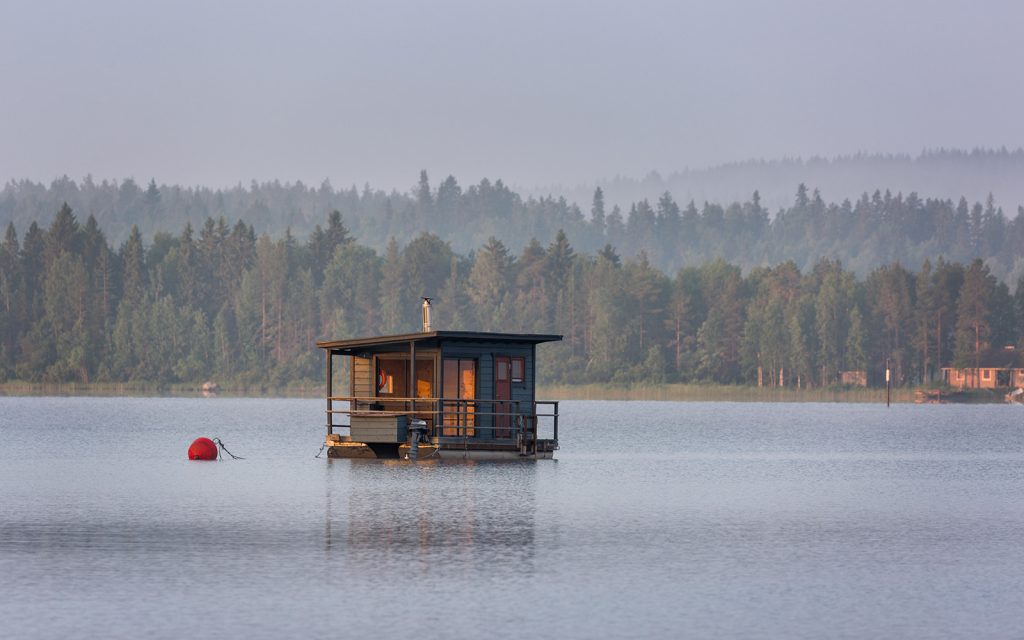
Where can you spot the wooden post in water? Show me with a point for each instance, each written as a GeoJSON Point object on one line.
{"type": "Point", "coordinates": [888, 383]}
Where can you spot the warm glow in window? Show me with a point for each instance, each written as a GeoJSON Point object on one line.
{"type": "Point", "coordinates": [459, 394]}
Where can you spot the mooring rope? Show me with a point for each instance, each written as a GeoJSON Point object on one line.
{"type": "Point", "coordinates": [322, 447]}
{"type": "Point", "coordinates": [225, 450]}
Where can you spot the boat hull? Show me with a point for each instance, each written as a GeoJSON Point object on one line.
{"type": "Point", "coordinates": [444, 451]}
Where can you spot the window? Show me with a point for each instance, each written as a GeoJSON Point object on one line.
{"type": "Point", "coordinates": [518, 369]}
{"type": "Point", "coordinates": [393, 376]}
{"type": "Point", "coordinates": [986, 374]}
{"type": "Point", "coordinates": [424, 378]}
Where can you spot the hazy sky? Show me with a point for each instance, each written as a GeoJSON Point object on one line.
{"type": "Point", "coordinates": [533, 92]}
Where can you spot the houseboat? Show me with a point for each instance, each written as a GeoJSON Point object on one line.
{"type": "Point", "coordinates": [444, 394]}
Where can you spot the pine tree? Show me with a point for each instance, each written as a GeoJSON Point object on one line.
{"type": "Point", "coordinates": [489, 285]}
{"type": "Point", "coordinates": [1018, 306]}
{"type": "Point", "coordinates": [12, 302]}
{"type": "Point", "coordinates": [532, 299]}
{"type": "Point", "coordinates": [449, 196]}
{"type": "Point", "coordinates": [597, 215]}
{"type": "Point", "coordinates": [424, 198]}
{"type": "Point", "coordinates": [799, 352]}
{"type": "Point", "coordinates": [1001, 317]}
{"type": "Point", "coordinates": [453, 310]}
{"type": "Point", "coordinates": [187, 269]}
{"type": "Point", "coordinates": [63, 235]}
{"type": "Point", "coordinates": [648, 291]}
{"type": "Point", "coordinates": [560, 287]}
{"type": "Point", "coordinates": [351, 292]}
{"type": "Point", "coordinates": [558, 261]}
{"type": "Point", "coordinates": [890, 290]}
{"type": "Point", "coordinates": [856, 343]}
{"type": "Point", "coordinates": [426, 264]}
{"type": "Point", "coordinates": [393, 291]}
{"type": "Point", "coordinates": [607, 313]}
{"type": "Point", "coordinates": [831, 312]}
{"type": "Point", "coordinates": [133, 284]}
{"type": "Point", "coordinates": [973, 316]}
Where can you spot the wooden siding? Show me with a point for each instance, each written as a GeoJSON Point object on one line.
{"type": "Point", "coordinates": [362, 377]}
{"type": "Point", "coordinates": [386, 428]}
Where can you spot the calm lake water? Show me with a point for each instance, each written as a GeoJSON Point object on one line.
{"type": "Point", "coordinates": [658, 520]}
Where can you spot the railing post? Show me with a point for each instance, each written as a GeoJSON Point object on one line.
{"type": "Point", "coordinates": [330, 386]}
{"type": "Point", "coordinates": [555, 405]}
{"type": "Point", "coordinates": [536, 436]}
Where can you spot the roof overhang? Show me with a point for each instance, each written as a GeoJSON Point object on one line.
{"type": "Point", "coordinates": [429, 339]}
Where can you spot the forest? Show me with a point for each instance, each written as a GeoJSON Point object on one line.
{"type": "Point", "coordinates": [873, 229]}
{"type": "Point", "coordinates": [222, 302]}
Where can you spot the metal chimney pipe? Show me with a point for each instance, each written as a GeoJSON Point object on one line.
{"type": "Point", "coordinates": [426, 315]}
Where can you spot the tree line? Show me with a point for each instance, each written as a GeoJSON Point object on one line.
{"type": "Point", "coordinates": [222, 302]}
{"type": "Point", "coordinates": [943, 173]}
{"type": "Point", "coordinates": [875, 229]}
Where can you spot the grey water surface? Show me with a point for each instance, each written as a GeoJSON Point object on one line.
{"type": "Point", "coordinates": [657, 520]}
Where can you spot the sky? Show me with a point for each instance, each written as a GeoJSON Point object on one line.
{"type": "Point", "coordinates": [532, 92]}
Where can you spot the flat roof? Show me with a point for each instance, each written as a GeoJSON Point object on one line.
{"type": "Point", "coordinates": [995, 358]}
{"type": "Point", "coordinates": [433, 338]}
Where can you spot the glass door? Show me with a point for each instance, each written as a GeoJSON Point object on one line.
{"type": "Point", "coordinates": [459, 392]}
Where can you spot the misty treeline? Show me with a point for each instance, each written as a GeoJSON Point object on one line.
{"type": "Point", "coordinates": [944, 173]}
{"type": "Point", "coordinates": [221, 302]}
{"type": "Point", "coordinates": [875, 229]}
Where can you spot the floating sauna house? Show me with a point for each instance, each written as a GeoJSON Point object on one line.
{"type": "Point", "coordinates": [447, 394]}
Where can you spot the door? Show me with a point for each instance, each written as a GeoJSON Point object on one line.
{"type": "Point", "coordinates": [459, 396]}
{"type": "Point", "coordinates": [502, 391]}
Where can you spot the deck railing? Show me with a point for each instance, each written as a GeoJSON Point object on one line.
{"type": "Point", "coordinates": [458, 418]}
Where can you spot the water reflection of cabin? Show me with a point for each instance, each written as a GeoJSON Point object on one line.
{"type": "Point", "coordinates": [474, 393]}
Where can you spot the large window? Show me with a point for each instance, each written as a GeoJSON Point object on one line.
{"type": "Point", "coordinates": [424, 378]}
{"type": "Point", "coordinates": [459, 392]}
{"type": "Point", "coordinates": [392, 379]}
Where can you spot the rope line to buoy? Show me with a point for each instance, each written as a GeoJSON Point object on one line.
{"type": "Point", "coordinates": [322, 447]}
{"type": "Point", "coordinates": [225, 450]}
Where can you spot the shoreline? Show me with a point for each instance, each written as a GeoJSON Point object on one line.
{"type": "Point", "coordinates": [140, 389]}
{"type": "Point", "coordinates": [675, 392]}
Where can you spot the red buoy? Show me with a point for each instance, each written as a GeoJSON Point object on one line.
{"type": "Point", "coordinates": [202, 449]}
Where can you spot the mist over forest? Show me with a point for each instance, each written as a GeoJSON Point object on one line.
{"type": "Point", "coordinates": [877, 225]}
{"type": "Point", "coordinates": [939, 173]}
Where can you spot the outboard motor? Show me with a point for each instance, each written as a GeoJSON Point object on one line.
{"type": "Point", "coordinates": [417, 432]}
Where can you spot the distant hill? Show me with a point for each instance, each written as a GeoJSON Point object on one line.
{"type": "Point", "coordinates": [938, 173]}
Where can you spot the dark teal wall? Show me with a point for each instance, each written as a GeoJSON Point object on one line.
{"type": "Point", "coordinates": [484, 354]}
